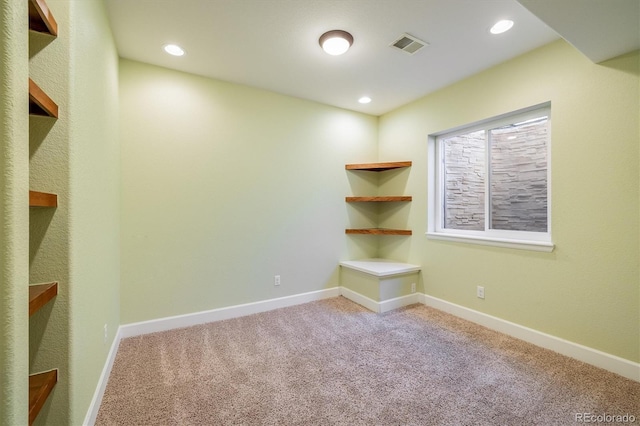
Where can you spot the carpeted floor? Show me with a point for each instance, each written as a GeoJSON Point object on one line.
{"type": "Point", "coordinates": [333, 362]}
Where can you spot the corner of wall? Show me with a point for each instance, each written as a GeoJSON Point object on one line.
{"type": "Point", "coordinates": [14, 216]}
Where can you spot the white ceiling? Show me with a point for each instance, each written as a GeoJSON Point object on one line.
{"type": "Point", "coordinates": [273, 44]}
{"type": "Point", "coordinates": [601, 29]}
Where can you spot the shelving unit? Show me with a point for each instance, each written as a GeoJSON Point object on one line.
{"type": "Point", "coordinates": [379, 167]}
{"type": "Point", "coordinates": [379, 284]}
{"type": "Point", "coordinates": [378, 231]}
{"type": "Point", "coordinates": [40, 295]}
{"type": "Point", "coordinates": [41, 19]}
{"type": "Point", "coordinates": [42, 199]}
{"type": "Point", "coordinates": [40, 104]}
{"type": "Point", "coordinates": [378, 199]}
{"type": "Point", "coordinates": [40, 386]}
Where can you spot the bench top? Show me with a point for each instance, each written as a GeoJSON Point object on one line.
{"type": "Point", "coordinates": [380, 267]}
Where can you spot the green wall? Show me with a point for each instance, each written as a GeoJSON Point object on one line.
{"type": "Point", "coordinates": [14, 213]}
{"type": "Point", "coordinates": [77, 243]}
{"type": "Point", "coordinates": [49, 238]}
{"type": "Point", "coordinates": [225, 186]}
{"type": "Point", "coordinates": [587, 290]}
{"type": "Point", "coordinates": [94, 219]}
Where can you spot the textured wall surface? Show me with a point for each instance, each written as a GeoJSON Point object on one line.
{"type": "Point", "coordinates": [225, 186]}
{"type": "Point", "coordinates": [94, 201]}
{"type": "Point", "coordinates": [49, 238]}
{"type": "Point", "coordinates": [519, 178]}
{"type": "Point", "coordinates": [465, 180]}
{"type": "Point", "coordinates": [77, 243]}
{"type": "Point", "coordinates": [587, 289]}
{"type": "Point", "coordinates": [14, 213]}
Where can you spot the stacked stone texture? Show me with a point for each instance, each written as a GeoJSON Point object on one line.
{"type": "Point", "coordinates": [464, 181]}
{"type": "Point", "coordinates": [518, 179]}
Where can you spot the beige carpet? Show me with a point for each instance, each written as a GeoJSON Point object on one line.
{"type": "Point", "coordinates": [335, 363]}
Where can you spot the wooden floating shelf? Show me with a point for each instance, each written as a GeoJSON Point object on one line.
{"type": "Point", "coordinates": [378, 199]}
{"type": "Point", "coordinates": [41, 19]}
{"type": "Point", "coordinates": [40, 386]}
{"type": "Point", "coordinates": [378, 231]}
{"type": "Point", "coordinates": [378, 167]}
{"type": "Point", "coordinates": [40, 295]}
{"type": "Point", "coordinates": [42, 199]}
{"type": "Point", "coordinates": [40, 103]}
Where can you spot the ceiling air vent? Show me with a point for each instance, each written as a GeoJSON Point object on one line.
{"type": "Point", "coordinates": [409, 44]}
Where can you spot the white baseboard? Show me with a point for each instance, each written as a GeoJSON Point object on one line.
{"type": "Point", "coordinates": [621, 366]}
{"type": "Point", "coordinates": [187, 320]}
{"type": "Point", "coordinates": [380, 307]}
{"type": "Point", "coordinates": [94, 407]}
{"type": "Point", "coordinates": [399, 302]}
{"type": "Point", "coordinates": [370, 304]}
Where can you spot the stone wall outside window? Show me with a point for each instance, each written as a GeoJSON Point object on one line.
{"type": "Point", "coordinates": [518, 179]}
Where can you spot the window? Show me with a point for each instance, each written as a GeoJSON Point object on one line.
{"type": "Point", "coordinates": [489, 181]}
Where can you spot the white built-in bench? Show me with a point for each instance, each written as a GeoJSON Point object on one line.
{"type": "Point", "coordinates": [379, 284]}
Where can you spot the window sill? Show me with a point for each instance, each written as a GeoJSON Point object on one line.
{"type": "Point", "coordinates": [495, 242]}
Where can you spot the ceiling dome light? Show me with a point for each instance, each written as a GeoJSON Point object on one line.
{"type": "Point", "coordinates": [174, 49]}
{"type": "Point", "coordinates": [336, 42]}
{"type": "Point", "coordinates": [501, 26]}
{"type": "Point", "coordinates": [364, 100]}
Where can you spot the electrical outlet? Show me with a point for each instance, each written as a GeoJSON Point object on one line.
{"type": "Point", "coordinates": [276, 280]}
{"type": "Point", "coordinates": [106, 333]}
{"type": "Point", "coordinates": [413, 287]}
{"type": "Point", "coordinates": [480, 292]}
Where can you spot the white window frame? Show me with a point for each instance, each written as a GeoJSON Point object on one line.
{"type": "Point", "coordinates": [537, 241]}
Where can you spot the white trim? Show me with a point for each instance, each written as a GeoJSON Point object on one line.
{"type": "Point", "coordinates": [495, 242]}
{"type": "Point", "coordinates": [94, 407]}
{"type": "Point", "coordinates": [615, 364]}
{"type": "Point", "coordinates": [399, 302]}
{"type": "Point", "coordinates": [380, 307]}
{"type": "Point", "coordinates": [187, 320]}
{"type": "Point", "coordinates": [370, 304]}
{"type": "Point", "coordinates": [500, 120]}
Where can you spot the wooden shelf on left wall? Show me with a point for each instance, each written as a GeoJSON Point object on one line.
{"type": "Point", "coordinates": [42, 199]}
{"type": "Point", "coordinates": [40, 103]}
{"type": "Point", "coordinates": [41, 19]}
{"type": "Point", "coordinates": [40, 295]}
{"type": "Point", "coordinates": [40, 386]}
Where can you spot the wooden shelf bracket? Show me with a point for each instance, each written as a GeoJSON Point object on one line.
{"type": "Point", "coordinates": [42, 199]}
{"type": "Point", "coordinates": [41, 19]}
{"type": "Point", "coordinates": [40, 295]}
{"type": "Point", "coordinates": [40, 386]}
{"type": "Point", "coordinates": [378, 231]}
{"type": "Point", "coordinates": [378, 167]}
{"type": "Point", "coordinates": [40, 103]}
{"type": "Point", "coordinates": [379, 199]}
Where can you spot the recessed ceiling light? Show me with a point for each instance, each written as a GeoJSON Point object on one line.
{"type": "Point", "coordinates": [336, 42]}
{"type": "Point", "coordinates": [364, 100]}
{"type": "Point", "coordinates": [501, 26]}
{"type": "Point", "coordinates": [174, 49]}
